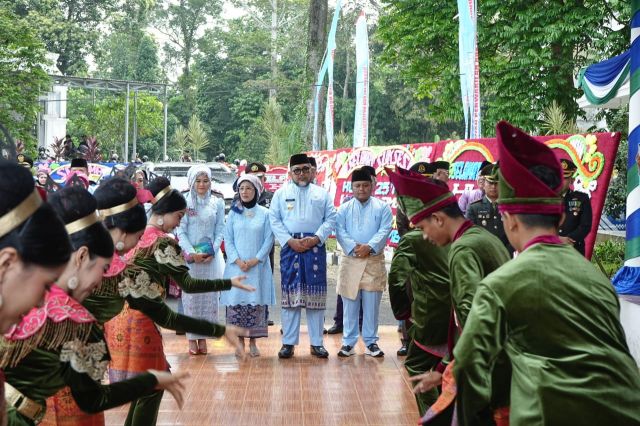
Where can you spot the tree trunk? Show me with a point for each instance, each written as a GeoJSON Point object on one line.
{"type": "Point", "coordinates": [345, 92]}
{"type": "Point", "coordinates": [316, 45]}
{"type": "Point", "coordinates": [274, 49]}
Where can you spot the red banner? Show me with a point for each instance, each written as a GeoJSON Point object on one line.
{"type": "Point", "coordinates": [594, 155]}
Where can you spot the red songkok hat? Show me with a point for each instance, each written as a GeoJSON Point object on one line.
{"type": "Point", "coordinates": [521, 192]}
{"type": "Point", "coordinates": [417, 195]}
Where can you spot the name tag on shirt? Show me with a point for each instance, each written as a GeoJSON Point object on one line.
{"type": "Point", "coordinates": [290, 202]}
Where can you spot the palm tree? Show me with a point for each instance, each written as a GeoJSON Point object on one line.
{"type": "Point", "coordinates": [555, 121]}
{"type": "Point", "coordinates": [180, 141]}
{"type": "Point", "coordinates": [197, 136]}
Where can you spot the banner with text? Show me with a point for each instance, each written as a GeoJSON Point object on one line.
{"type": "Point", "coordinates": [594, 155]}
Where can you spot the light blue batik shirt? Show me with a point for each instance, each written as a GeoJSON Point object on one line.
{"type": "Point", "coordinates": [307, 209]}
{"type": "Point", "coordinates": [363, 223]}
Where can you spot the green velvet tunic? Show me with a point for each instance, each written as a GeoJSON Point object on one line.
{"type": "Point", "coordinates": [42, 373]}
{"type": "Point", "coordinates": [107, 302]}
{"type": "Point", "coordinates": [424, 266]}
{"type": "Point", "coordinates": [556, 317]}
{"type": "Point", "coordinates": [472, 257]}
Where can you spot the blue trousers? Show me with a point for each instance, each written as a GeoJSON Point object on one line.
{"type": "Point", "coordinates": [291, 325]}
{"type": "Point", "coordinates": [371, 308]}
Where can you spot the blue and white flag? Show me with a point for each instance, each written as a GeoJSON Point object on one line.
{"type": "Point", "coordinates": [361, 121]}
{"type": "Point", "coordinates": [469, 67]}
{"type": "Point", "coordinates": [327, 67]}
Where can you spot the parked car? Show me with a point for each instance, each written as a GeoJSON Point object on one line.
{"type": "Point", "coordinates": [222, 177]}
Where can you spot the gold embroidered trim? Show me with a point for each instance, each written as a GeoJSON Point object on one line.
{"type": "Point", "coordinates": [86, 358]}
{"type": "Point", "coordinates": [50, 337]}
{"type": "Point", "coordinates": [141, 287]}
{"type": "Point", "coordinates": [169, 255]}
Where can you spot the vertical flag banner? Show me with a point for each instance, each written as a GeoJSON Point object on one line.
{"type": "Point", "coordinates": [628, 276]}
{"type": "Point", "coordinates": [361, 121]}
{"type": "Point", "coordinates": [469, 67]}
{"type": "Point", "coordinates": [331, 51]}
{"type": "Point", "coordinates": [326, 68]}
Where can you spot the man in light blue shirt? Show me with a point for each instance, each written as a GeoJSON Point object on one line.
{"type": "Point", "coordinates": [363, 225]}
{"type": "Point", "coordinates": [302, 218]}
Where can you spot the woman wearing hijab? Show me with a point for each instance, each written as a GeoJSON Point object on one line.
{"type": "Point", "coordinates": [248, 240]}
{"type": "Point", "coordinates": [200, 235]}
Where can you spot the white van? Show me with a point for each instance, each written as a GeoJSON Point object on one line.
{"type": "Point", "coordinates": [222, 177]}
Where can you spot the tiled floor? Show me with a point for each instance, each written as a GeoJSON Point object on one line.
{"type": "Point", "coordinates": [299, 391]}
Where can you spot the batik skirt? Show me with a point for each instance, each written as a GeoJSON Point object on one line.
{"type": "Point", "coordinates": [62, 410]}
{"type": "Point", "coordinates": [135, 345]}
{"type": "Point", "coordinates": [251, 317]}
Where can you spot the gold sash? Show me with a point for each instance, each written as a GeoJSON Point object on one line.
{"type": "Point", "coordinates": [356, 273]}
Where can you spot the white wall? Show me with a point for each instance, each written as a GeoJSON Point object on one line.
{"type": "Point", "coordinates": [52, 121]}
{"type": "Point", "coordinates": [630, 319]}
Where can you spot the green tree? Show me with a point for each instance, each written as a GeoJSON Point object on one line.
{"type": "Point", "coordinates": [68, 28]}
{"type": "Point", "coordinates": [555, 121]}
{"type": "Point", "coordinates": [129, 57]}
{"type": "Point", "coordinates": [180, 22]}
{"type": "Point", "coordinates": [22, 78]}
{"type": "Point", "coordinates": [105, 120]}
{"type": "Point", "coordinates": [528, 53]}
{"type": "Point", "coordinates": [616, 202]}
{"type": "Point", "coordinates": [198, 139]}
{"type": "Point", "coordinates": [180, 142]}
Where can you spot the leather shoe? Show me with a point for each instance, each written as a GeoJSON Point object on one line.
{"type": "Point", "coordinates": [319, 351]}
{"type": "Point", "coordinates": [286, 351]}
{"type": "Point", "coordinates": [334, 329]}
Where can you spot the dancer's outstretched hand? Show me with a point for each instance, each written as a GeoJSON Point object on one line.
{"type": "Point", "coordinates": [238, 283]}
{"type": "Point", "coordinates": [232, 334]}
{"type": "Point", "coordinates": [426, 381]}
{"type": "Point", "coordinates": [173, 383]}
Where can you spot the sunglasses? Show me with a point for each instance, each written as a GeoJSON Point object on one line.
{"type": "Point", "coordinates": [300, 170]}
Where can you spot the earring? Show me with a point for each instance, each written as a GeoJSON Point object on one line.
{"type": "Point", "coordinates": [72, 283]}
{"type": "Point", "coordinates": [160, 221]}
{"type": "Point", "coordinates": [120, 246]}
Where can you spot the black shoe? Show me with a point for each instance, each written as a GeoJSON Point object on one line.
{"type": "Point", "coordinates": [324, 331]}
{"type": "Point", "coordinates": [270, 322]}
{"type": "Point", "coordinates": [374, 351]}
{"type": "Point", "coordinates": [402, 351]}
{"type": "Point", "coordinates": [319, 351]}
{"type": "Point", "coordinates": [335, 329]}
{"type": "Point", "coordinates": [346, 351]}
{"type": "Point", "coordinates": [286, 351]}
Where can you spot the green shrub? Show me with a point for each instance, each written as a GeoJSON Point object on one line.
{"type": "Point", "coordinates": [609, 256]}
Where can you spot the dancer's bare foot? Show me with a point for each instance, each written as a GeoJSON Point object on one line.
{"type": "Point", "coordinates": [253, 349]}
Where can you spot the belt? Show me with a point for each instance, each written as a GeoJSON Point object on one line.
{"type": "Point", "coordinates": [23, 405]}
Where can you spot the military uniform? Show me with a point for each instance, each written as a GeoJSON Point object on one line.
{"type": "Point", "coordinates": [577, 221]}
{"type": "Point", "coordinates": [485, 213]}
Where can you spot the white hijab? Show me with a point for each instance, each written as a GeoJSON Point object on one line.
{"type": "Point", "coordinates": [192, 175]}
